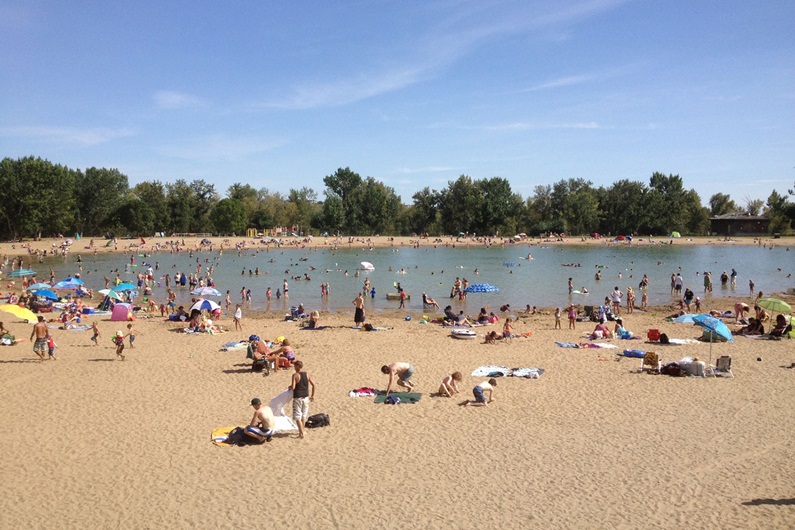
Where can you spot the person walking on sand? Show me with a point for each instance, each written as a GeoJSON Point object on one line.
{"type": "Point", "coordinates": [480, 394]}
{"type": "Point", "coordinates": [300, 384]}
{"type": "Point", "coordinates": [238, 318]}
{"type": "Point", "coordinates": [118, 340]}
{"type": "Point", "coordinates": [358, 316]}
{"type": "Point", "coordinates": [95, 330]}
{"type": "Point", "coordinates": [403, 371]}
{"type": "Point", "coordinates": [40, 334]}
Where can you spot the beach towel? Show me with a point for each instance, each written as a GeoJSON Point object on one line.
{"type": "Point", "coordinates": [527, 373]}
{"type": "Point", "coordinates": [567, 345]}
{"type": "Point", "coordinates": [634, 353]}
{"type": "Point", "coordinates": [84, 327]}
{"type": "Point", "coordinates": [231, 346]}
{"type": "Point", "coordinates": [282, 421]}
{"type": "Point", "coordinates": [405, 397]}
{"type": "Point", "coordinates": [363, 392]}
{"type": "Point", "coordinates": [491, 371]}
{"type": "Point", "coordinates": [597, 345]}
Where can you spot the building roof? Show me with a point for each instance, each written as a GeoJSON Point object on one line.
{"type": "Point", "coordinates": [739, 217]}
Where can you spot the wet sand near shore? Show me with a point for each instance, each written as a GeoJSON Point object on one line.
{"type": "Point", "coordinates": [93, 442]}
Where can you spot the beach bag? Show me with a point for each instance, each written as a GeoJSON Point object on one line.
{"type": "Point", "coordinates": [368, 327]}
{"type": "Point", "coordinates": [664, 339]}
{"type": "Point", "coordinates": [318, 420]}
{"type": "Point", "coordinates": [237, 436]}
{"type": "Point", "coordinates": [392, 400]}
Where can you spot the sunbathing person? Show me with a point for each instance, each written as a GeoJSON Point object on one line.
{"type": "Point", "coordinates": [754, 327]}
{"type": "Point", "coordinates": [285, 351]}
{"type": "Point", "coordinates": [601, 331]}
{"type": "Point", "coordinates": [449, 316]}
{"type": "Point", "coordinates": [483, 317]}
{"type": "Point", "coordinates": [782, 327]}
{"type": "Point", "coordinates": [314, 318]}
{"type": "Point", "coordinates": [427, 300]}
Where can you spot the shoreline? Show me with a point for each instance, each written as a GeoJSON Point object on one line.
{"type": "Point", "coordinates": [31, 247]}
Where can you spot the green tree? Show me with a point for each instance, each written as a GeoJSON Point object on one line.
{"type": "Point", "coordinates": [498, 206]}
{"type": "Point", "coordinates": [204, 198]}
{"type": "Point", "coordinates": [461, 206]}
{"type": "Point", "coordinates": [180, 202]}
{"type": "Point", "coordinates": [425, 212]}
{"type": "Point", "coordinates": [134, 217]}
{"type": "Point", "coordinates": [99, 193]}
{"type": "Point", "coordinates": [347, 186]}
{"type": "Point", "coordinates": [720, 204]}
{"type": "Point", "coordinates": [153, 194]}
{"type": "Point", "coordinates": [36, 197]}
{"type": "Point", "coordinates": [623, 207]}
{"type": "Point", "coordinates": [228, 217]}
{"type": "Point", "coordinates": [754, 207]}
{"type": "Point", "coordinates": [305, 201]}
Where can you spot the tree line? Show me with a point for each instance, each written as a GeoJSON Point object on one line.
{"type": "Point", "coordinates": [39, 198]}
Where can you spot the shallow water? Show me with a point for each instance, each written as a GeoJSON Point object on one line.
{"type": "Point", "coordinates": [541, 281]}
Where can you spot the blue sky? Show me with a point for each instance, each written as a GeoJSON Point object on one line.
{"type": "Point", "coordinates": [281, 94]}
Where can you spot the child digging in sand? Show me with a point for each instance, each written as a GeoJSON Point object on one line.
{"type": "Point", "coordinates": [479, 393]}
{"type": "Point", "coordinates": [449, 384]}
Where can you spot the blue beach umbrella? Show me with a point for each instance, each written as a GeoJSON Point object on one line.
{"type": "Point", "coordinates": [206, 291]}
{"type": "Point", "coordinates": [687, 318]}
{"type": "Point", "coordinates": [202, 305]}
{"type": "Point", "coordinates": [125, 286]}
{"type": "Point", "coordinates": [22, 272]}
{"type": "Point", "coordinates": [715, 327]}
{"type": "Point", "coordinates": [40, 285]}
{"type": "Point", "coordinates": [481, 288]}
{"type": "Point", "coordinates": [46, 293]}
{"type": "Point", "coordinates": [69, 283]}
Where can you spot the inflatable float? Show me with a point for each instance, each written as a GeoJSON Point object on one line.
{"type": "Point", "coordinates": [396, 296]}
{"type": "Point", "coordinates": [463, 334]}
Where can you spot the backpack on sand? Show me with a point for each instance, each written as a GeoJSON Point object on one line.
{"type": "Point", "coordinates": [318, 420]}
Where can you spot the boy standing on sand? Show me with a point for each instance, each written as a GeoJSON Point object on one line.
{"type": "Point", "coordinates": [403, 371]}
{"type": "Point", "coordinates": [358, 316]}
{"type": "Point", "coordinates": [131, 335]}
{"type": "Point", "coordinates": [95, 329]}
{"type": "Point", "coordinates": [301, 397]}
{"type": "Point", "coordinates": [480, 397]}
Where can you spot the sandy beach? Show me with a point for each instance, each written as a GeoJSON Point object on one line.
{"type": "Point", "coordinates": [93, 442]}
{"type": "Point", "coordinates": [26, 247]}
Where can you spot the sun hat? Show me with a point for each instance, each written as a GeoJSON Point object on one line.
{"type": "Point", "coordinates": [280, 339]}
{"type": "Point", "coordinates": [119, 333]}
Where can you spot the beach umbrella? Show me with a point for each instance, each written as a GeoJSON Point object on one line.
{"type": "Point", "coordinates": [715, 327]}
{"type": "Point", "coordinates": [201, 305]}
{"type": "Point", "coordinates": [206, 291]}
{"type": "Point", "coordinates": [366, 265]}
{"type": "Point", "coordinates": [125, 286]}
{"type": "Point", "coordinates": [21, 312]}
{"type": "Point", "coordinates": [22, 272]}
{"type": "Point", "coordinates": [39, 285]}
{"type": "Point", "coordinates": [481, 288]}
{"type": "Point", "coordinates": [46, 293]}
{"type": "Point", "coordinates": [69, 283]}
{"type": "Point", "coordinates": [110, 293]}
{"type": "Point", "coordinates": [775, 305]}
{"type": "Point", "coordinates": [687, 318]}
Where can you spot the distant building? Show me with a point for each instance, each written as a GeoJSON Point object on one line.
{"type": "Point", "coordinates": [739, 224]}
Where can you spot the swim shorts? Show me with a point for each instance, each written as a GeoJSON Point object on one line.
{"type": "Point", "coordinates": [478, 393]}
{"type": "Point", "coordinates": [300, 408]}
{"type": "Point", "coordinates": [41, 345]}
{"type": "Point", "coordinates": [406, 376]}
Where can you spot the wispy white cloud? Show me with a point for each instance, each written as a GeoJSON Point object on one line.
{"type": "Point", "coordinates": [68, 136]}
{"type": "Point", "coordinates": [440, 46]}
{"type": "Point", "coordinates": [218, 147]}
{"type": "Point", "coordinates": [559, 83]}
{"type": "Point", "coordinates": [167, 99]}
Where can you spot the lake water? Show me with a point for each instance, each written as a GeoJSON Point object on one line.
{"type": "Point", "coordinates": [541, 281]}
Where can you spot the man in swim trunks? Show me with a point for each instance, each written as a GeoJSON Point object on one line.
{"type": "Point", "coordinates": [358, 317]}
{"type": "Point", "coordinates": [403, 371]}
{"type": "Point", "coordinates": [261, 426]}
{"type": "Point", "coordinates": [39, 333]}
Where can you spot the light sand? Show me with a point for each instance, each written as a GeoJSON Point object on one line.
{"type": "Point", "coordinates": [83, 246]}
{"type": "Point", "coordinates": [92, 442]}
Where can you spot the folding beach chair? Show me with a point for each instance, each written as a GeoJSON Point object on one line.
{"type": "Point", "coordinates": [723, 366]}
{"type": "Point", "coordinates": [589, 313]}
{"type": "Point", "coordinates": [651, 363]}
